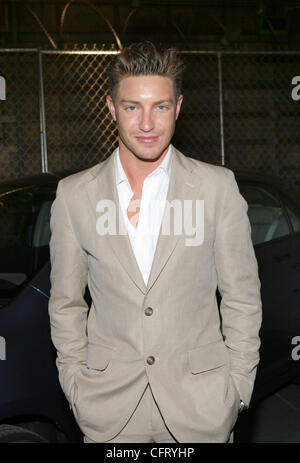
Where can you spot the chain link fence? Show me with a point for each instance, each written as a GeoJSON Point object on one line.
{"type": "Point", "coordinates": [19, 115]}
{"type": "Point", "coordinates": [80, 131]}
{"type": "Point", "coordinates": [237, 111]}
{"type": "Point", "coordinates": [198, 128]}
{"type": "Point", "coordinates": [261, 119]}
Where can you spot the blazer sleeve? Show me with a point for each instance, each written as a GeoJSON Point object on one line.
{"type": "Point", "coordinates": [67, 307]}
{"type": "Point", "coordinates": [239, 286]}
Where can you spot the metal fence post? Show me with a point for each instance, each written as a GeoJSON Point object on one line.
{"type": "Point", "coordinates": [43, 135]}
{"type": "Point", "coordinates": [220, 77]}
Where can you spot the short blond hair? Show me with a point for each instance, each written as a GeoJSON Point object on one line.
{"type": "Point", "coordinates": [145, 58]}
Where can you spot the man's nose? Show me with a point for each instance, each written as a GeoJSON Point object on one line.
{"type": "Point", "coordinates": [146, 122]}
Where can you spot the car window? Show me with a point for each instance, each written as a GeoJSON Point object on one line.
{"type": "Point", "coordinates": [295, 218]}
{"type": "Point", "coordinates": [24, 235]}
{"type": "Point", "coordinates": [266, 215]}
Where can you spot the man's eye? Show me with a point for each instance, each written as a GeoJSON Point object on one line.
{"type": "Point", "coordinates": [162, 107]}
{"type": "Point", "coordinates": [130, 108]}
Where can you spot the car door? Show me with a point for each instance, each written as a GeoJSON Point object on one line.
{"type": "Point", "coordinates": [274, 240]}
{"type": "Point", "coordinates": [293, 212]}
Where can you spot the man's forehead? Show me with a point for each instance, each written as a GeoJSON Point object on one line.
{"type": "Point", "coordinates": [149, 87]}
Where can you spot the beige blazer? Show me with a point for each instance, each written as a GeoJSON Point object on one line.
{"type": "Point", "coordinates": [203, 362]}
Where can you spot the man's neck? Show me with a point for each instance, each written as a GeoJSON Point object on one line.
{"type": "Point", "coordinates": [137, 170]}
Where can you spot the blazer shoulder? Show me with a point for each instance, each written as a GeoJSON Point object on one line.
{"type": "Point", "coordinates": [211, 172]}
{"type": "Point", "coordinates": [74, 182]}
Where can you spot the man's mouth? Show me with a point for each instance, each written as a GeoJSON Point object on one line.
{"type": "Point", "coordinates": [151, 139]}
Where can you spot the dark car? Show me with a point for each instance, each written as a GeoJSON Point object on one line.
{"type": "Point", "coordinates": [275, 225]}
{"type": "Point", "coordinates": [32, 405]}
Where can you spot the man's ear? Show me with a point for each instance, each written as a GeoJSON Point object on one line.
{"type": "Point", "coordinates": [178, 105]}
{"type": "Point", "coordinates": [111, 106]}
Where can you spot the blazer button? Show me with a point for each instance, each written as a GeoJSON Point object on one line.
{"type": "Point", "coordinates": [148, 311]}
{"type": "Point", "coordinates": [150, 360]}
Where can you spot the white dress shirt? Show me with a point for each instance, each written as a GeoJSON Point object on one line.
{"type": "Point", "coordinates": [154, 193]}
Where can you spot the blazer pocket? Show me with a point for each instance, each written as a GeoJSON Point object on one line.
{"type": "Point", "coordinates": [208, 357]}
{"type": "Point", "coordinates": [98, 357]}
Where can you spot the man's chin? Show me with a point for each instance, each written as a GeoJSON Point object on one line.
{"type": "Point", "coordinates": [150, 156]}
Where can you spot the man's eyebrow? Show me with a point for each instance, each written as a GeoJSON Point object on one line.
{"type": "Point", "coordinates": [129, 101]}
{"type": "Point", "coordinates": [166, 100]}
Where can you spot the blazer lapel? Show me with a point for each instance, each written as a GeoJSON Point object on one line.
{"type": "Point", "coordinates": [182, 186]}
{"type": "Point", "coordinates": [103, 187]}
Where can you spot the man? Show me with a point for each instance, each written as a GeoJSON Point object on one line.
{"type": "Point", "coordinates": [153, 360]}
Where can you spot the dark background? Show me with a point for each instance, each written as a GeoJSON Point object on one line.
{"type": "Point", "coordinates": [238, 108]}
{"type": "Point", "coordinates": [263, 25]}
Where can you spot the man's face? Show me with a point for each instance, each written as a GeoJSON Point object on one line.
{"type": "Point", "coordinates": [145, 109]}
